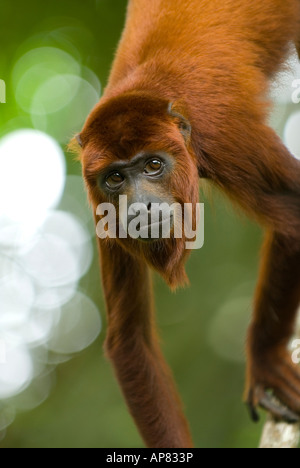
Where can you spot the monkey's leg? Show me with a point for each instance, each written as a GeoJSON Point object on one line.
{"type": "Point", "coordinates": [264, 178]}
{"type": "Point", "coordinates": [132, 346]}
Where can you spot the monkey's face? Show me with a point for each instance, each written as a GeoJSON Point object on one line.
{"type": "Point", "coordinates": [136, 157]}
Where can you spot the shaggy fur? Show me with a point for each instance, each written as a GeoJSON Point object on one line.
{"type": "Point", "coordinates": [214, 60]}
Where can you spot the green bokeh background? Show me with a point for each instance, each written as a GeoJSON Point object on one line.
{"type": "Point", "coordinates": [202, 328]}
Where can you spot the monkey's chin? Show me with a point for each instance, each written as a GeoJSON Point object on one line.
{"type": "Point", "coordinates": [168, 257]}
{"type": "Point", "coordinates": [147, 240]}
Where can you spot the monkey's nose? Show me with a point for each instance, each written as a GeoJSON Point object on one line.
{"type": "Point", "coordinates": [144, 207]}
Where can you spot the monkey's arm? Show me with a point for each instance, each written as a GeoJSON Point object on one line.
{"type": "Point", "coordinates": [270, 364]}
{"type": "Point", "coordinates": [132, 346]}
{"type": "Point", "coordinates": [261, 175]}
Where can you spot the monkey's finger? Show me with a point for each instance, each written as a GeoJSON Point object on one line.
{"type": "Point", "coordinates": [253, 412]}
{"type": "Point", "coordinates": [254, 396]}
{"type": "Point", "coordinates": [279, 411]}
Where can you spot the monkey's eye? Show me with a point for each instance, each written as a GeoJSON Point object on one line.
{"type": "Point", "coordinates": [153, 167]}
{"type": "Point", "coordinates": [114, 180]}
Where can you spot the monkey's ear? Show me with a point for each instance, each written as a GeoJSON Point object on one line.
{"type": "Point", "coordinates": [79, 140]}
{"type": "Point", "coordinates": [73, 146]}
{"type": "Point", "coordinates": [182, 122]}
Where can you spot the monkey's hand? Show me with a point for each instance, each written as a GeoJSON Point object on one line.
{"type": "Point", "coordinates": [272, 373]}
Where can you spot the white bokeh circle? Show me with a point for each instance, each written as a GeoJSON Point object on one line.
{"type": "Point", "coordinates": [16, 370]}
{"type": "Point", "coordinates": [32, 175]}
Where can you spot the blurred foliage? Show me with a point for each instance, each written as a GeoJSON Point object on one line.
{"type": "Point", "coordinates": [202, 328]}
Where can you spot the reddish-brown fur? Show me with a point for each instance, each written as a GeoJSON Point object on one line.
{"type": "Point", "coordinates": [213, 59]}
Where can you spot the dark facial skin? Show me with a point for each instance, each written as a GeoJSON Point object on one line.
{"type": "Point", "coordinates": [134, 173]}
{"type": "Point", "coordinates": [141, 179]}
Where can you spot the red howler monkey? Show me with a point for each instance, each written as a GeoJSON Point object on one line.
{"type": "Point", "coordinates": [187, 98]}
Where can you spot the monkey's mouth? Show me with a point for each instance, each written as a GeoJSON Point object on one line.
{"type": "Point", "coordinates": [156, 231]}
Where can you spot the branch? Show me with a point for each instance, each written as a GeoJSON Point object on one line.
{"type": "Point", "coordinates": [280, 435]}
